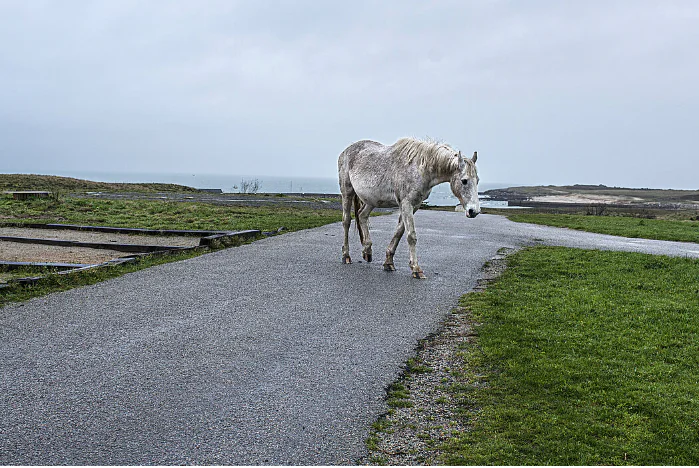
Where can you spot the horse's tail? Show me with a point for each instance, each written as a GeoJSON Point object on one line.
{"type": "Point", "coordinates": [357, 206]}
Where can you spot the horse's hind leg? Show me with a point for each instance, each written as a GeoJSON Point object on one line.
{"type": "Point", "coordinates": [393, 245]}
{"type": "Point", "coordinates": [347, 200]}
{"type": "Point", "coordinates": [363, 223]}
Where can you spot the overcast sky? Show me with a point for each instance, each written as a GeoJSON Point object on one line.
{"type": "Point", "coordinates": [548, 92]}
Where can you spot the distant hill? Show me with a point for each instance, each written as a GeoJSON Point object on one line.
{"type": "Point", "coordinates": [16, 182]}
{"type": "Point", "coordinates": [592, 194]}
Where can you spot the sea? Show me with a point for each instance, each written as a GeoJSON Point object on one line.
{"type": "Point", "coordinates": [231, 183]}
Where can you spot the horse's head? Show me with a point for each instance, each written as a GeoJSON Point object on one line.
{"type": "Point", "coordinates": [464, 185]}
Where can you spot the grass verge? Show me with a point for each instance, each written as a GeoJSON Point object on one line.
{"type": "Point", "coordinates": [661, 229]}
{"type": "Point", "coordinates": [160, 214]}
{"type": "Point", "coordinates": [24, 272]}
{"type": "Point", "coordinates": [583, 358]}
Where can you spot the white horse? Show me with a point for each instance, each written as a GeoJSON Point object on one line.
{"type": "Point", "coordinates": [401, 175]}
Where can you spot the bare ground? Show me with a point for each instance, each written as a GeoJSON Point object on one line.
{"type": "Point", "coordinates": [22, 252]}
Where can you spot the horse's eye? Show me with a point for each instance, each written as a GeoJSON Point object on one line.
{"type": "Point", "coordinates": [464, 181]}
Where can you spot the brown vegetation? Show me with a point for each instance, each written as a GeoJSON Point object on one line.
{"type": "Point", "coordinates": [68, 184]}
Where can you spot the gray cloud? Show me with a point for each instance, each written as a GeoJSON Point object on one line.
{"type": "Point", "coordinates": [547, 92]}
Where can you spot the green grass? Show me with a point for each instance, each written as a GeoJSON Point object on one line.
{"type": "Point", "coordinates": [585, 358]}
{"type": "Point", "coordinates": [7, 274]}
{"type": "Point", "coordinates": [685, 231]}
{"type": "Point", "coordinates": [398, 396]}
{"type": "Point", "coordinates": [161, 214]}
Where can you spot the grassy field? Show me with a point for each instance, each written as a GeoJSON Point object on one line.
{"type": "Point", "coordinates": [584, 358]}
{"type": "Point", "coordinates": [161, 214]}
{"type": "Point", "coordinates": [685, 231]}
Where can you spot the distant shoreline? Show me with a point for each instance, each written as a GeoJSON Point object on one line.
{"type": "Point", "coordinates": [577, 195]}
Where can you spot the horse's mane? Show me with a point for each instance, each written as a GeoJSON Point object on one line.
{"type": "Point", "coordinates": [430, 154]}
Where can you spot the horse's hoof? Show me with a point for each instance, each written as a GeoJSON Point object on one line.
{"type": "Point", "coordinates": [419, 275]}
{"type": "Point", "coordinates": [389, 267]}
{"type": "Point", "coordinates": [346, 260]}
{"type": "Point", "coordinates": [367, 257]}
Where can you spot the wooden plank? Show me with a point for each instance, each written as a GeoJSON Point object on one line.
{"type": "Point", "coordinates": [63, 266]}
{"type": "Point", "coordinates": [250, 233]}
{"type": "Point", "coordinates": [93, 245]}
{"type": "Point", "coordinates": [142, 249]}
{"type": "Point", "coordinates": [118, 230]}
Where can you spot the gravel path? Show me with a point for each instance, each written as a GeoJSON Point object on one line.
{"type": "Point", "coordinates": [268, 353]}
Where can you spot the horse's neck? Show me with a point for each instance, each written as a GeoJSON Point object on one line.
{"type": "Point", "coordinates": [436, 179]}
{"type": "Point", "coordinates": [438, 172]}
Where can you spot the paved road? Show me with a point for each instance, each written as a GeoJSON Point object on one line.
{"type": "Point", "coordinates": [270, 353]}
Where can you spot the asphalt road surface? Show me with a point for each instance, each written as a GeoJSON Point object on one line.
{"type": "Point", "coordinates": [269, 353]}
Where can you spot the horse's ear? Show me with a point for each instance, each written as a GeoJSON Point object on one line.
{"type": "Point", "coordinates": [475, 156]}
{"type": "Point", "coordinates": [460, 158]}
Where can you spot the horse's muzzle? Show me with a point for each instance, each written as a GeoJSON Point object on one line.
{"type": "Point", "coordinates": [472, 213]}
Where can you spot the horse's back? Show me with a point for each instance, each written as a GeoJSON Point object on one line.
{"type": "Point", "coordinates": [360, 149]}
{"type": "Point", "coordinates": [365, 168]}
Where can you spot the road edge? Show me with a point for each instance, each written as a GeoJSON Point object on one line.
{"type": "Point", "coordinates": [421, 415]}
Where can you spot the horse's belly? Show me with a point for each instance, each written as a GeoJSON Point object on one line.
{"type": "Point", "coordinates": [385, 204]}
{"type": "Point", "coordinates": [374, 195]}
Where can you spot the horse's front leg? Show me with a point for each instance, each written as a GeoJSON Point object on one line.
{"type": "Point", "coordinates": [409, 223]}
{"type": "Point", "coordinates": [363, 223]}
{"type": "Point", "coordinates": [393, 245]}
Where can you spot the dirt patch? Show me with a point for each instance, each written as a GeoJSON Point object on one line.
{"type": "Point", "coordinates": [22, 252]}
{"type": "Point", "coordinates": [101, 237]}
